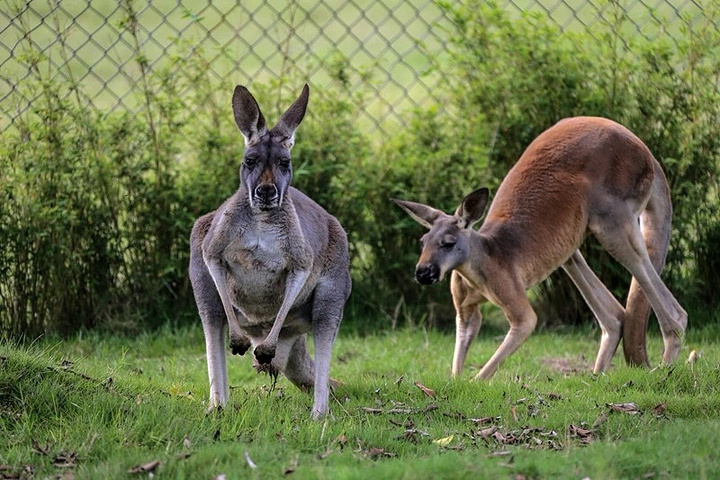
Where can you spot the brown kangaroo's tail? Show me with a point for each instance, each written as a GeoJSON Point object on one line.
{"type": "Point", "coordinates": [655, 223]}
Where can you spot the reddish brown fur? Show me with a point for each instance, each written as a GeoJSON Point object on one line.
{"type": "Point", "coordinates": [562, 175]}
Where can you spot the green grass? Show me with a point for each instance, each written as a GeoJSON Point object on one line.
{"type": "Point", "coordinates": [103, 405]}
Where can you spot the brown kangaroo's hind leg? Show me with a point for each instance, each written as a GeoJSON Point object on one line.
{"type": "Point", "coordinates": [655, 224]}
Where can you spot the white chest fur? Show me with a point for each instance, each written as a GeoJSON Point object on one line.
{"type": "Point", "coordinates": [257, 266]}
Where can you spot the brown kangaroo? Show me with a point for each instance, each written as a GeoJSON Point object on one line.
{"type": "Point", "coordinates": [270, 263]}
{"type": "Point", "coordinates": [582, 175]}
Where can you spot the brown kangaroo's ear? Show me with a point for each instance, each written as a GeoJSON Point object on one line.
{"type": "Point", "coordinates": [290, 120]}
{"type": "Point", "coordinates": [248, 116]}
{"type": "Point", "coordinates": [472, 207]}
{"type": "Point", "coordinates": [422, 214]}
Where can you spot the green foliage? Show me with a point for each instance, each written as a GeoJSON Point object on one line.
{"type": "Point", "coordinates": [432, 161]}
{"type": "Point", "coordinates": [97, 207]}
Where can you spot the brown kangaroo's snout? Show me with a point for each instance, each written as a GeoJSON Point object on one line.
{"type": "Point", "coordinates": [427, 273]}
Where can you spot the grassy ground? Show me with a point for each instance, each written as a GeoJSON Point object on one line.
{"type": "Point", "coordinates": [103, 407]}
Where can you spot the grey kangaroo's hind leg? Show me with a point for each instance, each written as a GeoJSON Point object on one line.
{"type": "Point", "coordinates": [330, 297]}
{"type": "Point", "coordinates": [621, 236]}
{"type": "Point", "coordinates": [299, 368]}
{"type": "Point", "coordinates": [213, 317]}
{"type": "Point", "coordinates": [605, 307]}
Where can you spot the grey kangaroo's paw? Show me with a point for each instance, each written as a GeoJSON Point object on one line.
{"type": "Point", "coordinates": [264, 353]}
{"type": "Point", "coordinates": [238, 346]}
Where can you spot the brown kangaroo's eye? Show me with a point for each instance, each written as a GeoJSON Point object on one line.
{"type": "Point", "coordinates": [448, 241]}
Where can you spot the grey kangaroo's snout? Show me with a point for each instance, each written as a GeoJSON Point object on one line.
{"type": "Point", "coordinates": [427, 273]}
{"type": "Point", "coordinates": [267, 195]}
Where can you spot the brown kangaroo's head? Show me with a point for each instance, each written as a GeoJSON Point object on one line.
{"type": "Point", "coordinates": [446, 245]}
{"type": "Point", "coordinates": [266, 170]}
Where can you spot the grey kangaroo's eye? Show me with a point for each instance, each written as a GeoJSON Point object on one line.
{"type": "Point", "coordinates": [284, 163]}
{"type": "Point", "coordinates": [250, 162]}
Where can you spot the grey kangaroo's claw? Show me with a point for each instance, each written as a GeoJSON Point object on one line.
{"type": "Point", "coordinates": [264, 355]}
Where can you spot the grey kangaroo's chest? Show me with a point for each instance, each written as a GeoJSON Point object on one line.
{"type": "Point", "coordinates": [257, 265]}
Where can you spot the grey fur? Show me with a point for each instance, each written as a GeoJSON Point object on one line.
{"type": "Point", "coordinates": [270, 263]}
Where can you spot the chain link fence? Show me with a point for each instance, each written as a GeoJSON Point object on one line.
{"type": "Point", "coordinates": [390, 46]}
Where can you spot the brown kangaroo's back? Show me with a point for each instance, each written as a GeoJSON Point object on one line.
{"type": "Point", "coordinates": [562, 181]}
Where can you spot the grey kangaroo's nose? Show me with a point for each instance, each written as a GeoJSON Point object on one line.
{"type": "Point", "coordinates": [266, 192]}
{"type": "Point", "coordinates": [427, 273]}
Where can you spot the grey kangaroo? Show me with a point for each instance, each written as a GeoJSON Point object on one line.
{"type": "Point", "coordinates": [270, 263]}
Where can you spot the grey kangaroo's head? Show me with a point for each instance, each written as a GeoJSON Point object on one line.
{"type": "Point", "coordinates": [266, 170]}
{"type": "Point", "coordinates": [445, 246]}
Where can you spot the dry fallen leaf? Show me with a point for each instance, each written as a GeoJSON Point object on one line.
{"type": "Point", "coordinates": [602, 418]}
{"type": "Point", "coordinates": [486, 432]}
{"type": "Point", "coordinates": [659, 409]}
{"type": "Point", "coordinates": [376, 453]}
{"type": "Point", "coordinates": [628, 407]}
{"type": "Point", "coordinates": [399, 410]}
{"type": "Point", "coordinates": [444, 442]}
{"type": "Point", "coordinates": [427, 391]}
{"type": "Point", "coordinates": [500, 453]}
{"type": "Point", "coordinates": [583, 434]}
{"type": "Point", "coordinates": [374, 411]}
{"type": "Point", "coordinates": [41, 449]}
{"type": "Point", "coordinates": [145, 467]}
{"type": "Point", "coordinates": [693, 357]}
{"type": "Point", "coordinates": [65, 459]}
{"type": "Point", "coordinates": [292, 467]}
{"type": "Point", "coordinates": [413, 435]}
{"type": "Point", "coordinates": [481, 421]}
{"type": "Point", "coordinates": [249, 461]}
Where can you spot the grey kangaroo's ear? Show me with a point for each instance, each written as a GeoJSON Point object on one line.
{"type": "Point", "coordinates": [422, 214]}
{"type": "Point", "coordinates": [472, 207]}
{"type": "Point", "coordinates": [248, 116]}
{"type": "Point", "coordinates": [291, 119]}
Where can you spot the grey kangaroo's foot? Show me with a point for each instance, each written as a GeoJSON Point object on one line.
{"type": "Point", "coordinates": [238, 346]}
{"type": "Point", "coordinates": [264, 353]}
